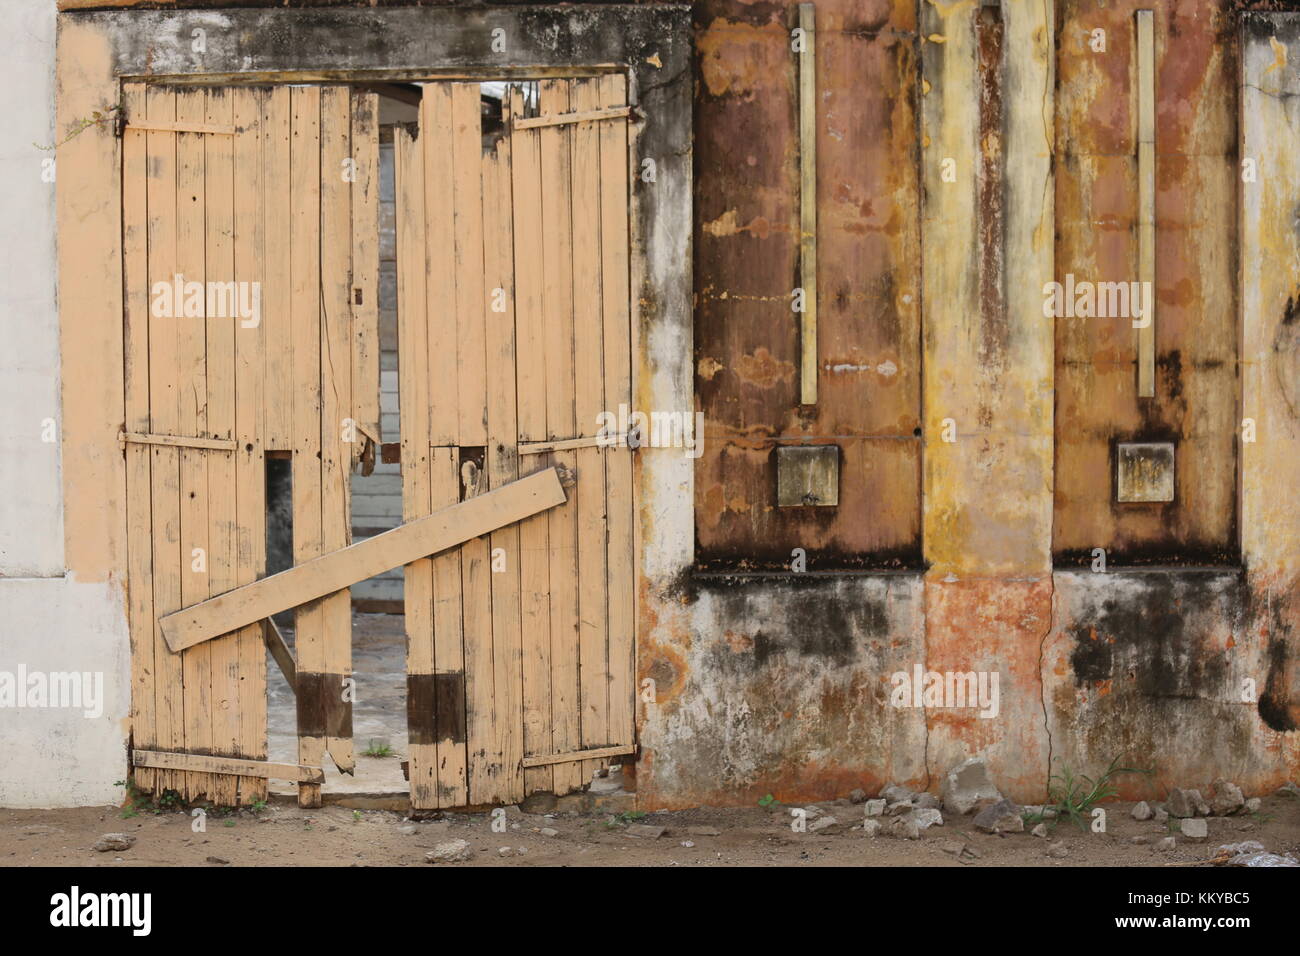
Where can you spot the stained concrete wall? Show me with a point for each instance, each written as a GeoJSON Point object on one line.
{"type": "Point", "coordinates": [49, 621]}
{"type": "Point", "coordinates": [768, 683]}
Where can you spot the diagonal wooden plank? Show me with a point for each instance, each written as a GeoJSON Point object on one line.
{"type": "Point", "coordinates": [342, 568]}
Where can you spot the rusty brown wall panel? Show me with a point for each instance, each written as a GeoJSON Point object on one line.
{"type": "Point", "coordinates": [1196, 290]}
{"type": "Point", "coordinates": [747, 339]}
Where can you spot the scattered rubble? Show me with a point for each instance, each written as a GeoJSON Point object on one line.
{"type": "Point", "coordinates": [896, 794]}
{"type": "Point", "coordinates": [1226, 798]}
{"type": "Point", "coordinates": [1142, 811]}
{"type": "Point", "coordinates": [824, 824]}
{"type": "Point", "coordinates": [927, 817]}
{"type": "Point", "coordinates": [1186, 803]}
{"type": "Point", "coordinates": [1195, 829]}
{"type": "Point", "coordinates": [967, 784]}
{"type": "Point", "coordinates": [1001, 817]}
{"type": "Point", "coordinates": [114, 841]}
{"type": "Point", "coordinates": [905, 828]}
{"type": "Point", "coordinates": [453, 851]}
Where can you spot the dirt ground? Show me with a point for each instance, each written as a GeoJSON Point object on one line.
{"type": "Point", "coordinates": [282, 834]}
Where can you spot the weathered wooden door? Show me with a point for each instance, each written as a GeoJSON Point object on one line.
{"type": "Point", "coordinates": [250, 232]}
{"type": "Point", "coordinates": [514, 335]}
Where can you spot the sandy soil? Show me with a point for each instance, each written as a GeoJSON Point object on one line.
{"type": "Point", "coordinates": [282, 834]}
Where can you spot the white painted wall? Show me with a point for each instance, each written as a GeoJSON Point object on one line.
{"type": "Point", "coordinates": [31, 529]}
{"type": "Point", "coordinates": [49, 756]}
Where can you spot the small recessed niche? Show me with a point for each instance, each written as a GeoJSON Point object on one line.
{"type": "Point", "coordinates": [1144, 472]}
{"type": "Point", "coordinates": [807, 476]}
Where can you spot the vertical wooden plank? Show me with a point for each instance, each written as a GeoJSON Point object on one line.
{"type": "Point", "coordinates": [305, 305]}
{"type": "Point", "coordinates": [470, 312]}
{"type": "Point", "coordinates": [365, 266]}
{"type": "Point", "coordinates": [164, 418]}
{"type": "Point", "coordinates": [436, 340]}
{"type": "Point", "coordinates": [530, 358]}
{"type": "Point", "coordinates": [276, 293]}
{"type": "Point", "coordinates": [503, 467]}
{"type": "Point", "coordinates": [250, 461]}
{"type": "Point", "coordinates": [615, 312]}
{"type": "Point", "coordinates": [589, 403]}
{"type": "Point", "coordinates": [440, 411]}
{"type": "Point", "coordinates": [413, 383]}
{"type": "Point", "coordinates": [1146, 333]}
{"type": "Point", "coordinates": [222, 320]}
{"type": "Point", "coordinates": [196, 552]}
{"type": "Point", "coordinates": [135, 298]}
{"type": "Point", "coordinates": [808, 204]}
{"type": "Point", "coordinates": [338, 435]}
{"type": "Point", "coordinates": [436, 146]}
{"type": "Point", "coordinates": [557, 307]}
{"type": "Point", "coordinates": [448, 644]}
{"type": "Point", "coordinates": [442, 421]}
{"type": "Point", "coordinates": [466, 139]}
{"type": "Point", "coordinates": [442, 415]}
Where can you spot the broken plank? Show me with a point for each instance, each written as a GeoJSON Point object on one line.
{"type": "Point", "coordinates": [339, 569]}
{"type": "Point", "coordinates": [279, 649]}
{"type": "Point", "coordinates": [196, 763]}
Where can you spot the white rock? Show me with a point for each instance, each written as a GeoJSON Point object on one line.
{"type": "Point", "coordinates": [966, 784]}
{"type": "Point", "coordinates": [453, 851]}
{"type": "Point", "coordinates": [927, 817]}
{"type": "Point", "coordinates": [1195, 829]}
